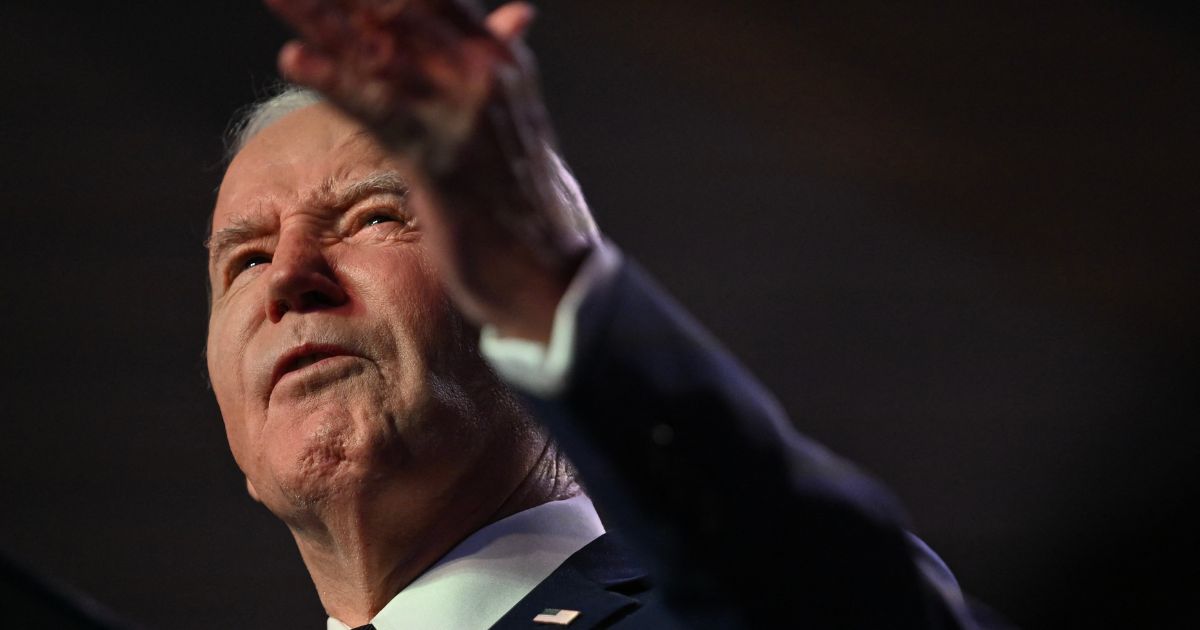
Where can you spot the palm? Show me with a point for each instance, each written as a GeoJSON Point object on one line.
{"type": "Point", "coordinates": [453, 93]}
{"type": "Point", "coordinates": [416, 71]}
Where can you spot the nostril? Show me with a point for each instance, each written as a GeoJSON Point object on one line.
{"type": "Point", "coordinates": [299, 288]}
{"type": "Point", "coordinates": [318, 298]}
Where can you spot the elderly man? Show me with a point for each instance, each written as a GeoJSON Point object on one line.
{"type": "Point", "coordinates": [363, 229]}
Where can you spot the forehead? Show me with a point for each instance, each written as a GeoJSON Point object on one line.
{"type": "Point", "coordinates": [300, 153]}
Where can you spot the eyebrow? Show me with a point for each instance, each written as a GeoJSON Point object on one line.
{"type": "Point", "coordinates": [241, 229]}
{"type": "Point", "coordinates": [377, 183]}
{"type": "Point", "coordinates": [247, 227]}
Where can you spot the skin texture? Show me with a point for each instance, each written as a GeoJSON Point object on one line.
{"type": "Point", "coordinates": [400, 442]}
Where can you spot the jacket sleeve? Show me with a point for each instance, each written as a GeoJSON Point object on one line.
{"type": "Point", "coordinates": [743, 521]}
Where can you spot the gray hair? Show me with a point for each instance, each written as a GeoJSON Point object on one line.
{"type": "Point", "coordinates": [263, 113]}
{"type": "Point", "coordinates": [287, 98]}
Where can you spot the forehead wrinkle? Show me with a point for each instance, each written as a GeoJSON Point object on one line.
{"type": "Point", "coordinates": [239, 229]}
{"type": "Point", "coordinates": [323, 194]}
{"type": "Point", "coordinates": [359, 136]}
{"type": "Point", "coordinates": [328, 194]}
{"type": "Point", "coordinates": [333, 195]}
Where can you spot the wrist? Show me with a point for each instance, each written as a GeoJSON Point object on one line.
{"type": "Point", "coordinates": [529, 313]}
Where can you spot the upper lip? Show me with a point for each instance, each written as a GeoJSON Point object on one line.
{"type": "Point", "coordinates": [303, 355]}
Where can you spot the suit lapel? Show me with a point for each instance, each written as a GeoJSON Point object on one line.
{"type": "Point", "coordinates": [598, 581]}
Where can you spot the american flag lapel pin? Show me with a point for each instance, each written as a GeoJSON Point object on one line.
{"type": "Point", "coordinates": [556, 616]}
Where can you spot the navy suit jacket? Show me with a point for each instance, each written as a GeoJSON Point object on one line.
{"type": "Point", "coordinates": [741, 521]}
{"type": "Point", "coordinates": [604, 582]}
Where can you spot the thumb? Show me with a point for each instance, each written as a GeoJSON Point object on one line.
{"type": "Point", "coordinates": [511, 21]}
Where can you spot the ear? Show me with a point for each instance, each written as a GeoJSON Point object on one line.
{"type": "Point", "coordinates": [252, 491]}
{"type": "Point", "coordinates": [510, 21]}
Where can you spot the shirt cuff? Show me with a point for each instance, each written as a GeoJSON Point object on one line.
{"type": "Point", "coordinates": [542, 369]}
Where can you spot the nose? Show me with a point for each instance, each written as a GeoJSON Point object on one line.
{"type": "Point", "coordinates": [300, 279]}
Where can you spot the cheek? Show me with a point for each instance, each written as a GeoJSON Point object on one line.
{"type": "Point", "coordinates": [405, 303]}
{"type": "Point", "coordinates": [437, 339]}
{"type": "Point", "coordinates": [221, 356]}
{"type": "Point", "coordinates": [427, 307]}
{"type": "Point", "coordinates": [402, 286]}
{"type": "Point", "coordinates": [223, 353]}
{"type": "Point", "coordinates": [231, 327]}
{"type": "Point", "coordinates": [228, 401]}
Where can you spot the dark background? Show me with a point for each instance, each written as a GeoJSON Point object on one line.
{"type": "Point", "coordinates": [958, 240]}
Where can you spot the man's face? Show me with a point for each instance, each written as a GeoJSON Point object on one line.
{"type": "Point", "coordinates": [335, 356]}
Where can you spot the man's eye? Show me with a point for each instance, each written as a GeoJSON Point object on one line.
{"type": "Point", "coordinates": [255, 261]}
{"type": "Point", "coordinates": [251, 261]}
{"type": "Point", "coordinates": [376, 219]}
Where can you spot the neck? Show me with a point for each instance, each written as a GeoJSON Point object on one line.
{"type": "Point", "coordinates": [365, 553]}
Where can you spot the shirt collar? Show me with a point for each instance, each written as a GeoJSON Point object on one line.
{"type": "Point", "coordinates": [486, 574]}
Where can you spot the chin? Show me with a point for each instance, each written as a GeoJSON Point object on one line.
{"type": "Point", "coordinates": [324, 466]}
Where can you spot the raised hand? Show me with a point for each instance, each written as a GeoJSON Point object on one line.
{"type": "Point", "coordinates": [416, 71]}
{"type": "Point", "coordinates": [454, 93]}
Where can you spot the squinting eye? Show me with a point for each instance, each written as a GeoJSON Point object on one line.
{"type": "Point", "coordinates": [376, 219]}
{"type": "Point", "coordinates": [253, 261]}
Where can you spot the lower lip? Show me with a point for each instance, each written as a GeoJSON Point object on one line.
{"type": "Point", "coordinates": [314, 370]}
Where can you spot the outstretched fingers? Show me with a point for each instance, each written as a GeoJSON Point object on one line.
{"type": "Point", "coordinates": [417, 72]}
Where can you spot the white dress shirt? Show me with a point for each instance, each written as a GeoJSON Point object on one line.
{"type": "Point", "coordinates": [483, 577]}
{"type": "Point", "coordinates": [539, 369]}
